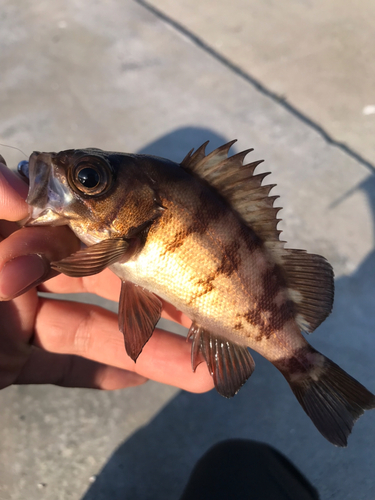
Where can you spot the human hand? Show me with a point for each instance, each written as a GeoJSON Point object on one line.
{"type": "Point", "coordinates": [45, 341]}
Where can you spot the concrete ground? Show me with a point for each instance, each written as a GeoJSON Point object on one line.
{"type": "Point", "coordinates": [124, 76]}
{"type": "Point", "coordinates": [317, 57]}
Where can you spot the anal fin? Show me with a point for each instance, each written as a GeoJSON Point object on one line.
{"type": "Point", "coordinates": [139, 311]}
{"type": "Point", "coordinates": [230, 364]}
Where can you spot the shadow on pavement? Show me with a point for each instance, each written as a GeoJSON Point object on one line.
{"type": "Point", "coordinates": [176, 145]}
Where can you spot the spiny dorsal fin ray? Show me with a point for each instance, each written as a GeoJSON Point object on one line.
{"type": "Point", "coordinates": [193, 158]}
{"type": "Point", "coordinates": [207, 165]}
{"type": "Point", "coordinates": [239, 186]}
{"type": "Point", "coordinates": [230, 169]}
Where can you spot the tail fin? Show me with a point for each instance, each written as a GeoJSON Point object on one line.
{"type": "Point", "coordinates": [331, 398]}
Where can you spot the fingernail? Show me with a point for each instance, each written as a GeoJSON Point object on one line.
{"type": "Point", "coordinates": [21, 274]}
{"type": "Point", "coordinates": [2, 160]}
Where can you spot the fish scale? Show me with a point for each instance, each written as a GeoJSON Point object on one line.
{"type": "Point", "coordinates": [199, 284]}
{"type": "Point", "coordinates": [202, 235]}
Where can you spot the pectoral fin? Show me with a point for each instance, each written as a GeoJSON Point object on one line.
{"type": "Point", "coordinates": [96, 258]}
{"type": "Point", "coordinates": [230, 364]}
{"type": "Point", "coordinates": [139, 311]}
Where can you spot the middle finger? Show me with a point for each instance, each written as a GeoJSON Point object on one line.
{"type": "Point", "coordinates": [92, 332]}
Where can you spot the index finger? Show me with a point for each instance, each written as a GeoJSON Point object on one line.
{"type": "Point", "coordinates": [107, 285]}
{"type": "Point", "coordinates": [13, 192]}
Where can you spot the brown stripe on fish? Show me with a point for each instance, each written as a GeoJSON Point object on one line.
{"type": "Point", "coordinates": [178, 240]}
{"type": "Point", "coordinates": [274, 296]}
{"type": "Point", "coordinates": [269, 320]}
{"type": "Point", "coordinates": [272, 308]}
{"type": "Point", "coordinates": [205, 285]}
{"type": "Point", "coordinates": [198, 221]}
{"type": "Point", "coordinates": [231, 259]}
{"type": "Point", "coordinates": [264, 279]}
{"type": "Point", "coordinates": [251, 240]}
{"type": "Point", "coordinates": [301, 361]}
{"type": "Point", "coordinates": [273, 282]}
{"type": "Point", "coordinates": [238, 326]}
{"type": "Point", "coordinates": [260, 319]}
{"type": "Point", "coordinates": [208, 212]}
{"type": "Point", "coordinates": [229, 264]}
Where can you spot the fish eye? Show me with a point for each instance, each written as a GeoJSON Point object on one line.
{"type": "Point", "coordinates": [90, 176]}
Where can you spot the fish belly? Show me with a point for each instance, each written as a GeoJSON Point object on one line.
{"type": "Point", "coordinates": [222, 279]}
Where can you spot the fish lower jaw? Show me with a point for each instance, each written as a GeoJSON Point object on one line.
{"type": "Point", "coordinates": [44, 217]}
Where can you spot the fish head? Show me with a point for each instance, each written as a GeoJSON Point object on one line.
{"type": "Point", "coordinates": [98, 194]}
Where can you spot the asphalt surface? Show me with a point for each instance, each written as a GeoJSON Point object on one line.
{"type": "Point", "coordinates": [122, 76]}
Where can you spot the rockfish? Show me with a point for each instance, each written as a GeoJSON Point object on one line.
{"type": "Point", "coordinates": [202, 235]}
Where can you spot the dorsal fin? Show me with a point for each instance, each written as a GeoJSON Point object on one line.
{"type": "Point", "coordinates": [238, 185]}
{"type": "Point", "coordinates": [309, 278]}
{"type": "Point", "coordinates": [310, 287]}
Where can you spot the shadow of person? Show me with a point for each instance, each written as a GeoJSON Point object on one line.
{"type": "Point", "coordinates": [156, 461]}
{"type": "Point", "coordinates": [178, 143]}
{"type": "Point", "coordinates": [354, 294]}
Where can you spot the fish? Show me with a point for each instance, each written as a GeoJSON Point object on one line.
{"type": "Point", "coordinates": [201, 234]}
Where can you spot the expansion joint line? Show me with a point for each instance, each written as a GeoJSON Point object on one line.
{"type": "Point", "coordinates": [255, 83]}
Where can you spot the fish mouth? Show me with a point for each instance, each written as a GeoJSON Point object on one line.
{"type": "Point", "coordinates": [48, 191]}
{"type": "Point", "coordinates": [46, 217]}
